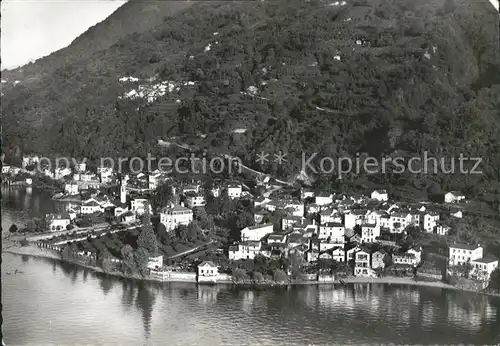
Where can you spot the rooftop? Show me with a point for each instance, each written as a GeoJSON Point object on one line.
{"type": "Point", "coordinates": [260, 226]}
{"type": "Point", "coordinates": [489, 259]}
{"type": "Point", "coordinates": [463, 246]}
{"type": "Point", "coordinates": [207, 263]}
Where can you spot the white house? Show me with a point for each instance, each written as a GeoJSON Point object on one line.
{"type": "Point", "coordinates": [456, 213]}
{"type": "Point", "coordinates": [369, 232]}
{"type": "Point", "coordinates": [57, 222]}
{"type": "Point", "coordinates": [29, 181]}
{"type": "Point", "coordinates": [362, 264]}
{"type": "Point", "coordinates": [380, 195]}
{"type": "Point", "coordinates": [128, 217]}
{"type": "Point", "coordinates": [244, 250]}
{"type": "Point", "coordinates": [289, 221]}
{"type": "Point", "coordinates": [483, 267]}
{"type": "Point", "coordinates": [30, 160]}
{"type": "Point", "coordinates": [306, 193]}
{"type": "Point", "coordinates": [81, 167]}
{"type": "Point", "coordinates": [207, 272]}
{"type": "Point", "coordinates": [296, 207]}
{"type": "Point", "coordinates": [335, 232]}
{"type": "Point", "coordinates": [442, 229]}
{"type": "Point", "coordinates": [5, 169]}
{"type": "Point", "coordinates": [349, 221]}
{"type": "Point", "coordinates": [329, 215]}
{"type": "Point", "coordinates": [399, 221]}
{"type": "Point", "coordinates": [138, 206]}
{"type": "Point", "coordinates": [373, 216]}
{"type": "Point", "coordinates": [90, 207]}
{"type": "Point", "coordinates": [428, 221]}
{"type": "Point", "coordinates": [324, 198]}
{"type": "Point", "coordinates": [155, 262]}
{"type": "Point", "coordinates": [71, 189]}
{"type": "Point", "coordinates": [194, 200]}
{"type": "Point", "coordinates": [256, 232]}
{"type": "Point", "coordinates": [338, 254]}
{"type": "Point", "coordinates": [234, 190]}
{"type": "Point", "coordinates": [174, 216]}
{"type": "Point", "coordinates": [105, 173]}
{"type": "Point", "coordinates": [462, 253]}
{"type": "Point", "coordinates": [215, 192]}
{"type": "Point", "coordinates": [260, 201]}
{"type": "Point", "coordinates": [60, 173]}
{"type": "Point", "coordinates": [453, 197]}
{"type": "Point", "coordinates": [404, 258]}
{"type": "Point", "coordinates": [276, 238]}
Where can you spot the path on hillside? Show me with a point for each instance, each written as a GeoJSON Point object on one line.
{"type": "Point", "coordinates": [226, 156]}
{"type": "Point", "coordinates": [190, 250]}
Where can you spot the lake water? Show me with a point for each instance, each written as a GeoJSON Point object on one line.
{"type": "Point", "coordinates": [60, 304]}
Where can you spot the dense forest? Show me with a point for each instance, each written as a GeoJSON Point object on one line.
{"type": "Point", "coordinates": [377, 77]}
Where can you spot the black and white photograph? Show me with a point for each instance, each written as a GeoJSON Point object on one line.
{"type": "Point", "coordinates": [252, 172]}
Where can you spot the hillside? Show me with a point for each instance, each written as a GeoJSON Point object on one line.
{"type": "Point", "coordinates": [334, 77]}
{"type": "Point", "coordinates": [135, 16]}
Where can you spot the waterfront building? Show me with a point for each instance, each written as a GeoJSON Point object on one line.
{"type": "Point", "coordinates": [57, 222]}
{"type": "Point", "coordinates": [483, 267]}
{"type": "Point", "coordinates": [207, 272]}
{"type": "Point", "coordinates": [460, 253]}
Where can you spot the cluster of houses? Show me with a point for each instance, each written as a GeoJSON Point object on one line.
{"type": "Point", "coordinates": [346, 228]}
{"type": "Point", "coordinates": [318, 226]}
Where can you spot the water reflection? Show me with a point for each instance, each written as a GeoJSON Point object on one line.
{"type": "Point", "coordinates": [136, 313]}
{"type": "Point", "coordinates": [207, 295]}
{"type": "Point", "coordinates": [106, 283]}
{"type": "Point", "coordinates": [145, 301]}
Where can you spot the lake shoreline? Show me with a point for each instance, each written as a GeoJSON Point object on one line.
{"type": "Point", "coordinates": [390, 280]}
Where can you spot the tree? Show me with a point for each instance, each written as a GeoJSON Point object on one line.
{"type": "Point", "coordinates": [141, 259]}
{"type": "Point", "coordinates": [163, 195]}
{"type": "Point", "coordinates": [104, 259]}
{"type": "Point", "coordinates": [257, 277]}
{"type": "Point", "coordinates": [67, 253]}
{"type": "Point", "coordinates": [495, 279]}
{"type": "Point", "coordinates": [147, 237]}
{"type": "Point", "coordinates": [244, 219]}
{"type": "Point", "coordinates": [13, 228]}
{"type": "Point", "coordinates": [239, 275]}
{"type": "Point", "coordinates": [279, 275]}
{"type": "Point", "coordinates": [128, 259]}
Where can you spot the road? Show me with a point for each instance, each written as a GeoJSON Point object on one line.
{"type": "Point", "coordinates": [97, 227]}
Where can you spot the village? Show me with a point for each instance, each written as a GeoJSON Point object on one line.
{"type": "Point", "coordinates": [322, 236]}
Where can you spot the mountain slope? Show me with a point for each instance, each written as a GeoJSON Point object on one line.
{"type": "Point", "coordinates": [135, 16]}
{"type": "Point", "coordinates": [335, 78]}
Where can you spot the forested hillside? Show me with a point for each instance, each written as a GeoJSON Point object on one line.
{"type": "Point", "coordinates": [336, 78]}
